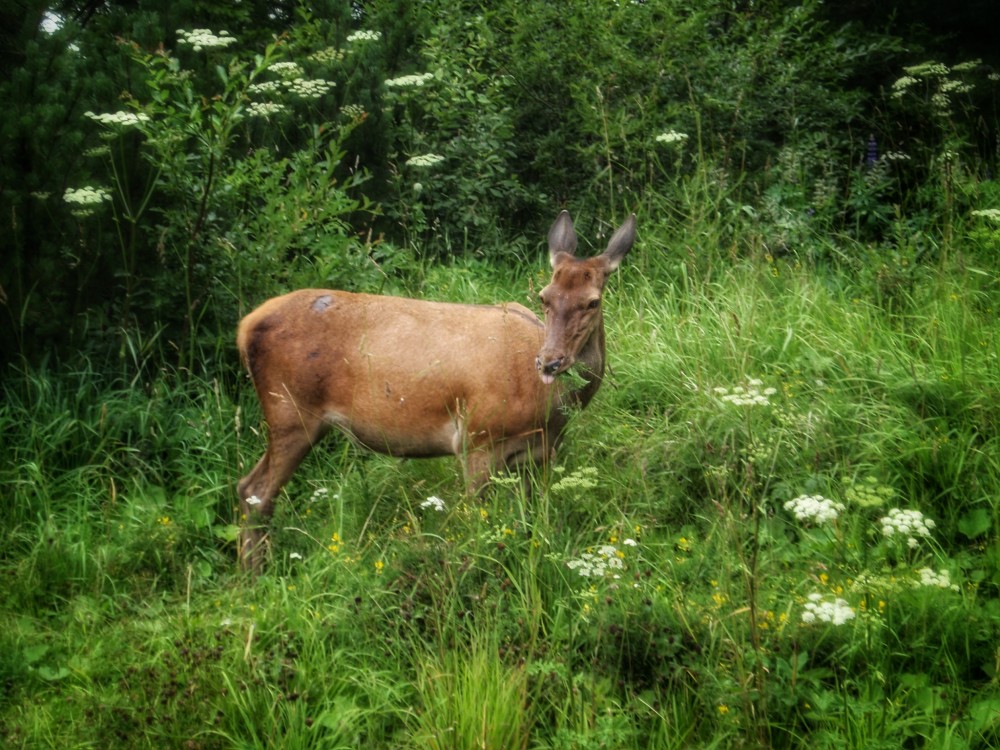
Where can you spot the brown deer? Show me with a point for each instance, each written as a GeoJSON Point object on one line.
{"type": "Point", "coordinates": [411, 378]}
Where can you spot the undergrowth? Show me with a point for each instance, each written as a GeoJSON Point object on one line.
{"type": "Point", "coordinates": [775, 526]}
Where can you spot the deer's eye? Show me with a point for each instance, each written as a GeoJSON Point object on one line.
{"type": "Point", "coordinates": [592, 305]}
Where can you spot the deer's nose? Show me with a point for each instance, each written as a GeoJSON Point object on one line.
{"type": "Point", "coordinates": [551, 367]}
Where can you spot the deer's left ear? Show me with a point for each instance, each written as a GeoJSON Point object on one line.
{"type": "Point", "coordinates": [621, 242]}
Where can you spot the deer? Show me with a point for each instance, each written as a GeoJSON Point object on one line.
{"type": "Point", "coordinates": [414, 378]}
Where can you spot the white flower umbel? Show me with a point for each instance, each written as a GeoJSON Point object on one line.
{"type": "Point", "coordinates": [254, 500]}
{"type": "Point", "coordinates": [122, 119]}
{"type": "Point", "coordinates": [310, 88]}
{"type": "Point", "coordinates": [199, 39]}
{"type": "Point", "coordinates": [86, 196]}
{"type": "Point", "coordinates": [940, 579]}
{"type": "Point", "coordinates": [286, 69]}
{"type": "Point", "coordinates": [409, 81]}
{"type": "Point", "coordinates": [814, 509]}
{"type": "Point", "coordinates": [433, 502]}
{"type": "Point", "coordinates": [424, 160]}
{"type": "Point", "coordinates": [752, 394]}
{"type": "Point", "coordinates": [364, 36]}
{"type": "Point", "coordinates": [834, 611]}
{"type": "Point", "coordinates": [671, 136]}
{"type": "Point", "coordinates": [908, 524]}
{"type": "Point", "coordinates": [264, 109]}
{"type": "Point", "coordinates": [606, 560]}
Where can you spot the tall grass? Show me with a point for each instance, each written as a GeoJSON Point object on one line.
{"type": "Point", "coordinates": [384, 622]}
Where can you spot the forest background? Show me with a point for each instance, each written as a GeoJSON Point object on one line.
{"type": "Point", "coordinates": [776, 526]}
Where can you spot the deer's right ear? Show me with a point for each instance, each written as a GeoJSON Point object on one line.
{"type": "Point", "coordinates": [562, 237]}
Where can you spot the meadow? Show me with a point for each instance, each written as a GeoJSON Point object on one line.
{"type": "Point", "coordinates": [774, 526]}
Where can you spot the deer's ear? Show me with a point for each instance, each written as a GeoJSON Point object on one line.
{"type": "Point", "coordinates": [620, 243]}
{"type": "Point", "coordinates": [562, 237]}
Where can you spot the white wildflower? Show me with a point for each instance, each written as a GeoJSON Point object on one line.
{"type": "Point", "coordinates": [424, 160]}
{"type": "Point", "coordinates": [254, 500]}
{"type": "Point", "coordinates": [814, 508]}
{"type": "Point", "coordinates": [993, 214]}
{"type": "Point", "coordinates": [265, 87]}
{"type": "Point", "coordinates": [294, 556]}
{"type": "Point", "coordinates": [910, 524]}
{"type": "Point", "coordinates": [604, 561]}
{"type": "Point", "coordinates": [364, 36]}
{"type": "Point", "coordinates": [201, 38]}
{"type": "Point", "coordinates": [124, 119]}
{"type": "Point", "coordinates": [750, 395]}
{"type": "Point", "coordinates": [940, 579]}
{"type": "Point", "coordinates": [671, 136]}
{"type": "Point", "coordinates": [818, 609]}
{"type": "Point", "coordinates": [264, 109]}
{"type": "Point", "coordinates": [86, 196]}
{"type": "Point", "coordinates": [409, 81]}
{"type": "Point", "coordinates": [286, 69]}
{"type": "Point", "coordinates": [433, 502]}
{"type": "Point", "coordinates": [310, 88]}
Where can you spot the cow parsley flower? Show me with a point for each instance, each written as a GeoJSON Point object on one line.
{"type": "Point", "coordinates": [86, 196]}
{"type": "Point", "coordinates": [940, 579]}
{"type": "Point", "coordinates": [286, 69]}
{"type": "Point", "coordinates": [410, 81]}
{"type": "Point", "coordinates": [123, 119]}
{"type": "Point", "coordinates": [910, 524]}
{"type": "Point", "coordinates": [424, 160]}
{"type": "Point", "coordinates": [606, 560]}
{"type": "Point", "coordinates": [364, 36]}
{"type": "Point", "coordinates": [433, 502]}
{"type": "Point", "coordinates": [752, 394]}
{"type": "Point", "coordinates": [814, 508]}
{"type": "Point", "coordinates": [833, 611]}
{"type": "Point", "coordinates": [671, 136]}
{"type": "Point", "coordinates": [310, 88]}
{"type": "Point", "coordinates": [201, 38]}
{"type": "Point", "coordinates": [264, 109]}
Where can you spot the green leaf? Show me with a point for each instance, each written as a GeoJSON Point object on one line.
{"type": "Point", "coordinates": [975, 523]}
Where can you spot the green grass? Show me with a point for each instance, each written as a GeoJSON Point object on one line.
{"type": "Point", "coordinates": [381, 623]}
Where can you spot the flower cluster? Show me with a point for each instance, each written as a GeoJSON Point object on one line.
{"type": "Point", "coordinates": [671, 136]}
{"type": "Point", "coordinates": [579, 480]}
{"type": "Point", "coordinates": [201, 38]}
{"type": "Point", "coordinates": [86, 196]}
{"type": "Point", "coordinates": [364, 36]}
{"type": "Point", "coordinates": [418, 79]}
{"type": "Point", "coordinates": [118, 118]}
{"type": "Point", "coordinates": [266, 87]}
{"type": "Point", "coordinates": [328, 55]}
{"type": "Point", "coordinates": [310, 88]}
{"type": "Point", "coordinates": [940, 579]}
{"type": "Point", "coordinates": [993, 214]}
{"type": "Point", "coordinates": [906, 523]}
{"type": "Point", "coordinates": [352, 111]}
{"type": "Point", "coordinates": [287, 69]}
{"type": "Point", "coordinates": [867, 492]}
{"type": "Point", "coordinates": [814, 508]}
{"type": "Point", "coordinates": [751, 395]}
{"type": "Point", "coordinates": [835, 611]}
{"type": "Point", "coordinates": [264, 109]}
{"type": "Point", "coordinates": [606, 560]}
{"type": "Point", "coordinates": [433, 502]}
{"type": "Point", "coordinates": [424, 160]}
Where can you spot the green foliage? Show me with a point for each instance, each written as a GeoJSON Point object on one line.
{"type": "Point", "coordinates": [776, 524]}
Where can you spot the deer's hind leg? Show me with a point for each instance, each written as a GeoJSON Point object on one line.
{"type": "Point", "coordinates": [290, 438]}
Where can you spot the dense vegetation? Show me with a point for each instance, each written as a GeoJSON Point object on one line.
{"type": "Point", "coordinates": [775, 526]}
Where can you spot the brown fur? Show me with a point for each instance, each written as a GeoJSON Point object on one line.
{"type": "Point", "coordinates": [413, 378]}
